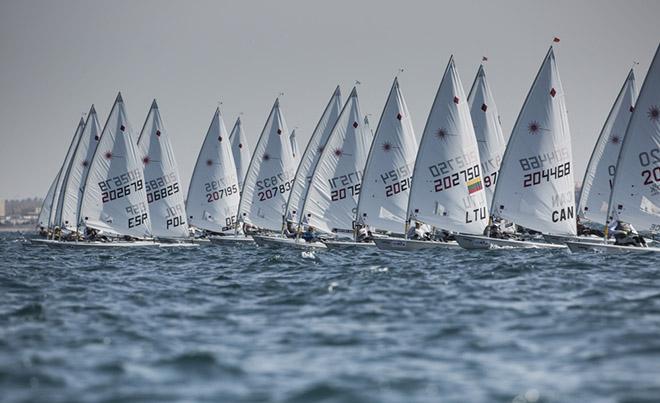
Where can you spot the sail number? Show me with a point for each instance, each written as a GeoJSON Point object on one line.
{"type": "Point", "coordinates": [275, 190]}
{"type": "Point", "coordinates": [449, 181]}
{"type": "Point", "coordinates": [339, 194]}
{"type": "Point", "coordinates": [220, 193]}
{"type": "Point", "coordinates": [546, 175]}
{"type": "Point", "coordinates": [651, 176]}
{"type": "Point", "coordinates": [398, 187]}
{"type": "Point", "coordinates": [139, 215]}
{"type": "Point", "coordinates": [121, 191]}
{"type": "Point", "coordinates": [395, 174]}
{"type": "Point", "coordinates": [538, 161]}
{"type": "Point", "coordinates": [163, 193]}
{"type": "Point", "coordinates": [489, 180]}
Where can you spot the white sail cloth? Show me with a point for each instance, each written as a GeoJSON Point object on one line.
{"type": "Point", "coordinates": [387, 174]}
{"type": "Point", "coordinates": [599, 176]}
{"type": "Point", "coordinates": [78, 170]}
{"type": "Point", "coordinates": [58, 197]}
{"type": "Point", "coordinates": [240, 150]}
{"type": "Point", "coordinates": [488, 129]}
{"type": "Point", "coordinates": [161, 177]}
{"type": "Point", "coordinates": [310, 157]}
{"type": "Point", "coordinates": [447, 189]}
{"type": "Point", "coordinates": [636, 192]}
{"type": "Point", "coordinates": [214, 192]}
{"type": "Point", "coordinates": [115, 200]}
{"type": "Point", "coordinates": [270, 175]}
{"type": "Point", "coordinates": [535, 187]}
{"type": "Point", "coordinates": [331, 201]}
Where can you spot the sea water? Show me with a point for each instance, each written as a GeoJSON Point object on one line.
{"type": "Point", "coordinates": [248, 324]}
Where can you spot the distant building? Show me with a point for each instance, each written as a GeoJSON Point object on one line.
{"type": "Point", "coordinates": [2, 208]}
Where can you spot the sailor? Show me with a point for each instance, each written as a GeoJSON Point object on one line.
{"type": "Point", "coordinates": [417, 232]}
{"type": "Point", "coordinates": [290, 230]}
{"type": "Point", "coordinates": [363, 233]}
{"type": "Point", "coordinates": [583, 230]}
{"type": "Point", "coordinates": [57, 232]}
{"type": "Point", "coordinates": [626, 235]}
{"type": "Point", "coordinates": [310, 234]}
{"type": "Point", "coordinates": [250, 229]}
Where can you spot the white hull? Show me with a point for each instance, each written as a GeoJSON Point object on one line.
{"type": "Point", "coordinates": [484, 242]}
{"type": "Point", "coordinates": [348, 244]}
{"type": "Point", "coordinates": [277, 241]}
{"type": "Point", "coordinates": [94, 244]}
{"type": "Point", "coordinates": [232, 240]}
{"type": "Point", "coordinates": [411, 244]}
{"type": "Point", "coordinates": [577, 247]}
{"type": "Point", "coordinates": [562, 239]}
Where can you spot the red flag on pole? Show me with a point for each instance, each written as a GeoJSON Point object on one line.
{"type": "Point", "coordinates": [555, 39]}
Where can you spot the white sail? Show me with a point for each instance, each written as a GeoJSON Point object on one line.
{"type": "Point", "coordinates": [535, 187]}
{"type": "Point", "coordinates": [214, 192]}
{"type": "Point", "coordinates": [312, 153]}
{"type": "Point", "coordinates": [636, 192]}
{"type": "Point", "coordinates": [115, 200]}
{"type": "Point", "coordinates": [447, 190]}
{"type": "Point", "coordinates": [488, 129]}
{"type": "Point", "coordinates": [77, 174]}
{"type": "Point", "coordinates": [331, 201]}
{"type": "Point", "coordinates": [270, 175]}
{"type": "Point", "coordinates": [383, 198]}
{"type": "Point", "coordinates": [58, 198]}
{"type": "Point", "coordinates": [167, 211]}
{"type": "Point", "coordinates": [599, 176]}
{"type": "Point", "coordinates": [240, 150]}
{"type": "Point", "coordinates": [47, 205]}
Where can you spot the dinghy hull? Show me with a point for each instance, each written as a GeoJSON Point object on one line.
{"type": "Point", "coordinates": [578, 247]}
{"type": "Point", "coordinates": [349, 245]}
{"type": "Point", "coordinates": [276, 241]}
{"type": "Point", "coordinates": [401, 244]}
{"type": "Point", "coordinates": [93, 244]}
{"type": "Point", "coordinates": [483, 242]}
{"type": "Point", "coordinates": [232, 240]}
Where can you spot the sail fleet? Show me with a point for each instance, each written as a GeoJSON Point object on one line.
{"type": "Point", "coordinates": [458, 184]}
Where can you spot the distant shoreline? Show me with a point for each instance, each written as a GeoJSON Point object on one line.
{"type": "Point", "coordinates": [18, 228]}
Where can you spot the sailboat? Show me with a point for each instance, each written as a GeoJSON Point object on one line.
{"type": "Point", "coordinates": [331, 200]}
{"type": "Point", "coordinates": [446, 191]}
{"type": "Point", "coordinates": [387, 173]}
{"type": "Point", "coordinates": [306, 167]}
{"type": "Point", "coordinates": [76, 175]}
{"type": "Point", "coordinates": [46, 207]}
{"type": "Point", "coordinates": [488, 129]}
{"type": "Point", "coordinates": [240, 150]}
{"type": "Point", "coordinates": [599, 176]}
{"type": "Point", "coordinates": [115, 200]}
{"type": "Point", "coordinates": [269, 178]}
{"type": "Point", "coordinates": [54, 216]}
{"type": "Point", "coordinates": [214, 192]}
{"type": "Point", "coordinates": [535, 188]}
{"type": "Point", "coordinates": [167, 211]}
{"type": "Point", "coordinates": [635, 196]}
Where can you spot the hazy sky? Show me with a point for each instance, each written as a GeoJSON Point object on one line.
{"type": "Point", "coordinates": [58, 57]}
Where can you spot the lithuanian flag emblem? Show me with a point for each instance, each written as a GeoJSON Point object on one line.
{"type": "Point", "coordinates": [474, 185]}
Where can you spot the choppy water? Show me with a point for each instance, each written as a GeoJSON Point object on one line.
{"type": "Point", "coordinates": [247, 324]}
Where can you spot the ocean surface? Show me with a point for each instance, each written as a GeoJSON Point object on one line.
{"type": "Point", "coordinates": [218, 324]}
